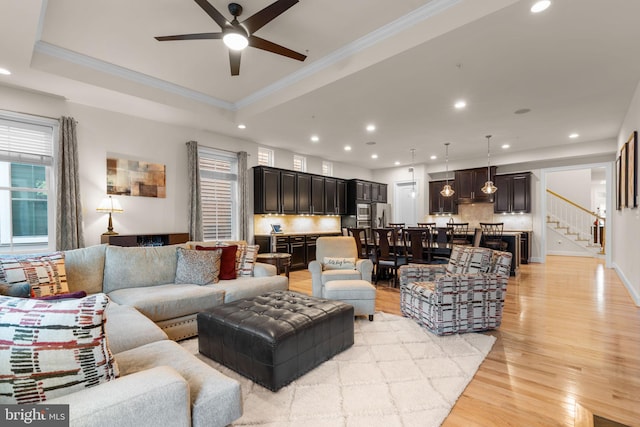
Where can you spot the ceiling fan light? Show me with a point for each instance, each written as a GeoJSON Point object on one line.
{"type": "Point", "coordinates": [235, 41]}
{"type": "Point", "coordinates": [447, 191]}
{"type": "Point", "coordinates": [489, 188]}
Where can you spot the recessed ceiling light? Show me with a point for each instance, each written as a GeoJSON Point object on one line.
{"type": "Point", "coordinates": [434, 157]}
{"type": "Point", "coordinates": [505, 146]}
{"type": "Point", "coordinates": [5, 72]}
{"type": "Point", "coordinates": [347, 148]}
{"type": "Point", "coordinates": [315, 138]}
{"type": "Point", "coordinates": [374, 156]}
{"type": "Point", "coordinates": [371, 127]}
{"type": "Point", "coordinates": [460, 104]}
{"type": "Point", "coordinates": [242, 126]}
{"type": "Point", "coordinates": [574, 135]}
{"type": "Point", "coordinates": [539, 6]}
{"type": "Point", "coordinates": [397, 163]}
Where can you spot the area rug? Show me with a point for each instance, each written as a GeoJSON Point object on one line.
{"type": "Point", "coordinates": [396, 374]}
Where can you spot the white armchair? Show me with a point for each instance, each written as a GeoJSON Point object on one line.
{"type": "Point", "coordinates": [337, 247]}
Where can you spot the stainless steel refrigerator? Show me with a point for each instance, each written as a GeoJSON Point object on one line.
{"type": "Point", "coordinates": [381, 215]}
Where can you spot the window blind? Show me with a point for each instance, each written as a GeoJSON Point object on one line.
{"type": "Point", "coordinates": [26, 142]}
{"type": "Point", "coordinates": [218, 179]}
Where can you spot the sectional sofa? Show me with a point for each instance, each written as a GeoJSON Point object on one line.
{"type": "Point", "coordinates": [158, 382]}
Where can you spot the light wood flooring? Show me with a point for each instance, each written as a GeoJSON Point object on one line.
{"type": "Point", "coordinates": [569, 339]}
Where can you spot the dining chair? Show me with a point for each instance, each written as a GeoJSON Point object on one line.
{"type": "Point", "coordinates": [458, 233]}
{"type": "Point", "coordinates": [426, 224]}
{"type": "Point", "coordinates": [362, 242]}
{"type": "Point", "coordinates": [492, 235]}
{"type": "Point", "coordinates": [419, 243]}
{"type": "Point", "coordinates": [389, 253]}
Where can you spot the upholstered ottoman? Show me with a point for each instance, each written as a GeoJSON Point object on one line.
{"type": "Point", "coordinates": [359, 293]}
{"type": "Point", "coordinates": [276, 337]}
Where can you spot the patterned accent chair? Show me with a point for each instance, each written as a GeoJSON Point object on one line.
{"type": "Point", "coordinates": [465, 295]}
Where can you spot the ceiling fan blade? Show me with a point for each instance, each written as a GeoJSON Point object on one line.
{"type": "Point", "coordinates": [234, 62]}
{"type": "Point", "coordinates": [263, 44]}
{"type": "Point", "coordinates": [266, 15]}
{"type": "Point", "coordinates": [213, 13]}
{"type": "Point", "coordinates": [200, 36]}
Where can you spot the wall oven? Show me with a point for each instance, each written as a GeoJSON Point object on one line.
{"type": "Point", "coordinates": [363, 212]}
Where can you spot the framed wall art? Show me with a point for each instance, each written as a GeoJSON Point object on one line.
{"type": "Point", "coordinates": [136, 178]}
{"type": "Point", "coordinates": [632, 170]}
{"type": "Point", "coordinates": [618, 176]}
{"type": "Point", "coordinates": [623, 176]}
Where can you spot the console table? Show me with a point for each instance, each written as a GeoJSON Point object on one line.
{"type": "Point", "coordinates": [145, 239]}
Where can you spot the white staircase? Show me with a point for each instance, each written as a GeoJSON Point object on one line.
{"type": "Point", "coordinates": [575, 225]}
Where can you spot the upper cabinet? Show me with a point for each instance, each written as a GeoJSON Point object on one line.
{"type": "Point", "coordinates": [360, 191]}
{"type": "Point", "coordinates": [469, 183]}
{"type": "Point", "coordinates": [514, 193]}
{"type": "Point", "coordinates": [279, 191]}
{"type": "Point", "coordinates": [438, 204]}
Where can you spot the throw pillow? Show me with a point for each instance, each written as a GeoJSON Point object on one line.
{"type": "Point", "coordinates": [198, 267]}
{"type": "Point", "coordinates": [249, 257]}
{"type": "Point", "coordinates": [19, 290]}
{"type": "Point", "coordinates": [45, 274]}
{"type": "Point", "coordinates": [227, 260]}
{"type": "Point", "coordinates": [335, 263]}
{"type": "Point", "coordinates": [52, 348]}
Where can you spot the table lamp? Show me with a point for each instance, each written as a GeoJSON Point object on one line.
{"type": "Point", "coordinates": [109, 205]}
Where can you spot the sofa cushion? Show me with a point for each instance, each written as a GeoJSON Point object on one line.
{"type": "Point", "coordinates": [215, 398]}
{"type": "Point", "coordinates": [126, 267]}
{"type": "Point", "coordinates": [247, 260]}
{"type": "Point", "coordinates": [45, 274]}
{"type": "Point", "coordinates": [329, 275]}
{"type": "Point", "coordinates": [164, 302]}
{"type": "Point", "coordinates": [227, 260]}
{"type": "Point", "coordinates": [198, 267]}
{"type": "Point", "coordinates": [52, 348]}
{"type": "Point", "coordinates": [245, 287]}
{"type": "Point", "coordinates": [476, 260]}
{"type": "Point", "coordinates": [127, 328]}
{"type": "Point", "coordinates": [85, 268]}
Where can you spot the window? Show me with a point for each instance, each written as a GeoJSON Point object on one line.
{"type": "Point", "coordinates": [265, 157]}
{"type": "Point", "coordinates": [219, 184]}
{"type": "Point", "coordinates": [327, 168]}
{"type": "Point", "coordinates": [27, 194]}
{"type": "Point", "coordinates": [299, 163]}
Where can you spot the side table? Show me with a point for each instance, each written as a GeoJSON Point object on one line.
{"type": "Point", "coordinates": [282, 261]}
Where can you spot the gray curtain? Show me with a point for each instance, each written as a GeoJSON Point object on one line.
{"type": "Point", "coordinates": [195, 203]}
{"type": "Point", "coordinates": [243, 195]}
{"type": "Point", "coordinates": [69, 234]}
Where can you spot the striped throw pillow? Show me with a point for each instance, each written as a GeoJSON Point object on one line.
{"type": "Point", "coordinates": [45, 274]}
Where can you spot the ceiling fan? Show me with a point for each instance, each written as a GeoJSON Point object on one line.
{"type": "Point", "coordinates": [238, 35]}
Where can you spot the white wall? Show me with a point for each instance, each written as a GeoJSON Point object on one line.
{"type": "Point", "coordinates": [575, 185]}
{"type": "Point", "coordinates": [626, 222]}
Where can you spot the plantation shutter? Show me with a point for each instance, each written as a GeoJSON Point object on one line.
{"type": "Point", "coordinates": [22, 142]}
{"type": "Point", "coordinates": [218, 180]}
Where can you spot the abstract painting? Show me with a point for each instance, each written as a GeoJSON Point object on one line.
{"type": "Point", "coordinates": [136, 178]}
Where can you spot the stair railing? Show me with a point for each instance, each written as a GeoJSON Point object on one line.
{"type": "Point", "coordinates": [579, 221]}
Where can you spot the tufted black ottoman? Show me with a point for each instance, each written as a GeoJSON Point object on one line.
{"type": "Point", "coordinates": [276, 337]}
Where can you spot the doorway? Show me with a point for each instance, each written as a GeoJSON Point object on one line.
{"type": "Point", "coordinates": [404, 209]}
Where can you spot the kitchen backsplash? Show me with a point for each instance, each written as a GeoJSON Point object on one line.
{"type": "Point", "coordinates": [296, 223]}
{"type": "Point", "coordinates": [476, 213]}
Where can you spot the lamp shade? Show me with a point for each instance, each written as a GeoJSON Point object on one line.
{"type": "Point", "coordinates": [109, 205]}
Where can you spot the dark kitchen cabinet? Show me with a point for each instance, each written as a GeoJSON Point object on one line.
{"type": "Point", "coordinates": [335, 193]}
{"type": "Point", "coordinates": [298, 251]}
{"type": "Point", "coordinates": [514, 193]}
{"type": "Point", "coordinates": [341, 197]}
{"type": "Point", "coordinates": [359, 192]}
{"type": "Point", "coordinates": [288, 194]}
{"type": "Point", "coordinates": [303, 192]}
{"type": "Point", "coordinates": [382, 195]}
{"type": "Point", "coordinates": [267, 190]}
{"type": "Point", "coordinates": [317, 196]}
{"type": "Point", "coordinates": [469, 183]}
{"type": "Point", "coordinates": [438, 204]}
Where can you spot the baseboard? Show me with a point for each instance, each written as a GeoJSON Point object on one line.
{"type": "Point", "coordinates": [571, 253]}
{"type": "Point", "coordinates": [635, 296]}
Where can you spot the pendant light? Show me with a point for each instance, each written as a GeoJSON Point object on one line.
{"type": "Point", "coordinates": [447, 191]}
{"type": "Point", "coordinates": [413, 175]}
{"type": "Point", "coordinates": [488, 187]}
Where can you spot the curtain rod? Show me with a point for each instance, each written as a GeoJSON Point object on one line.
{"type": "Point", "coordinates": [221, 149]}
